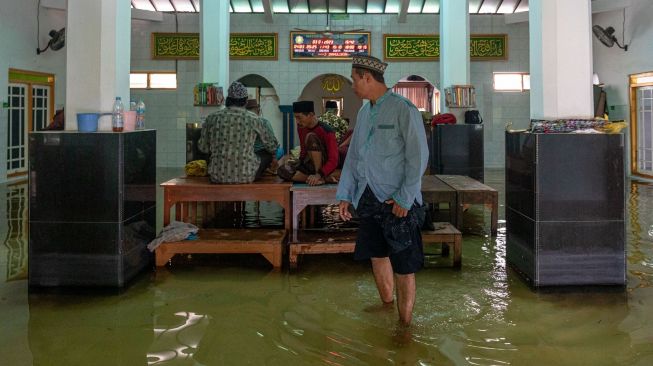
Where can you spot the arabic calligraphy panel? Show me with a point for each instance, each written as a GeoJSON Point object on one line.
{"type": "Point", "coordinates": [250, 46]}
{"type": "Point", "coordinates": [423, 47]}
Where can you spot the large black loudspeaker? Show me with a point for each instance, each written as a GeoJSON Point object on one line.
{"type": "Point", "coordinates": [565, 208]}
{"type": "Point", "coordinates": [92, 206]}
{"type": "Point", "coordinates": [457, 150]}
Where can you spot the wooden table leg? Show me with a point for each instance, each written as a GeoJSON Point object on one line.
{"type": "Point", "coordinates": [457, 250]}
{"type": "Point", "coordinates": [495, 213]}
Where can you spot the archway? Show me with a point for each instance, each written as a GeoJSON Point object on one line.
{"type": "Point", "coordinates": [263, 91]}
{"type": "Point", "coordinates": [332, 87]}
{"type": "Point", "coordinates": [421, 92]}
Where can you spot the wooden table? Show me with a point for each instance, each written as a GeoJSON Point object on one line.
{"type": "Point", "coordinates": [435, 191]}
{"type": "Point", "coordinates": [184, 193]}
{"type": "Point", "coordinates": [471, 191]}
{"type": "Point", "coordinates": [304, 195]}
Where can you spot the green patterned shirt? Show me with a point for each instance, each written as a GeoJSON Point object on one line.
{"type": "Point", "coordinates": [339, 125]}
{"type": "Point", "coordinates": [228, 135]}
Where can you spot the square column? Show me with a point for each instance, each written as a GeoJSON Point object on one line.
{"type": "Point", "coordinates": [454, 44]}
{"type": "Point", "coordinates": [560, 33]}
{"type": "Point", "coordinates": [214, 42]}
{"type": "Point", "coordinates": [98, 50]}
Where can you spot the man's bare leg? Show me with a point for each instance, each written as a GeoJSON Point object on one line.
{"type": "Point", "coordinates": [384, 279]}
{"type": "Point", "coordinates": [405, 297]}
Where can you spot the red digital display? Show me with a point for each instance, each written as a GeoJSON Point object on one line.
{"type": "Point", "coordinates": [318, 46]}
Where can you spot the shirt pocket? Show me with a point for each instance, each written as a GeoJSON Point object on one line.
{"type": "Point", "coordinates": [388, 141]}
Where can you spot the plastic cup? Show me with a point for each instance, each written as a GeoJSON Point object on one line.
{"type": "Point", "coordinates": [130, 120]}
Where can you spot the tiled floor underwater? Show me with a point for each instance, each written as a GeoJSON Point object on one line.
{"type": "Point", "coordinates": [234, 311]}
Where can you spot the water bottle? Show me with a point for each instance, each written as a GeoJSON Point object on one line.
{"type": "Point", "coordinates": [132, 105]}
{"type": "Point", "coordinates": [140, 115]}
{"type": "Point", "coordinates": [117, 117]}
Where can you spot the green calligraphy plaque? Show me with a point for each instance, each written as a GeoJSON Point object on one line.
{"type": "Point", "coordinates": [253, 46]}
{"type": "Point", "coordinates": [186, 46]}
{"type": "Point", "coordinates": [420, 47]}
{"type": "Point", "coordinates": [175, 46]}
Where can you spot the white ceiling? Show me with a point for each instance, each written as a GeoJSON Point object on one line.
{"type": "Point", "coordinates": [336, 6]}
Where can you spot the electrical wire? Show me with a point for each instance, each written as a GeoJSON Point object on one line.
{"type": "Point", "coordinates": [38, 24]}
{"type": "Point", "coordinates": [623, 29]}
{"type": "Point", "coordinates": [176, 31]}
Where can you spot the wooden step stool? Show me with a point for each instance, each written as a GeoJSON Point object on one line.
{"type": "Point", "coordinates": [448, 235]}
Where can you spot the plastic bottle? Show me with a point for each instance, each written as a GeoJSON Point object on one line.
{"type": "Point", "coordinates": [140, 115]}
{"type": "Point", "coordinates": [132, 105]}
{"type": "Point", "coordinates": [117, 117]}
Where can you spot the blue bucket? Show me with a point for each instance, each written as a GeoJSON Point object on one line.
{"type": "Point", "coordinates": [87, 122]}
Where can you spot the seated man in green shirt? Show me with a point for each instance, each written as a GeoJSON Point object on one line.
{"type": "Point", "coordinates": [228, 135]}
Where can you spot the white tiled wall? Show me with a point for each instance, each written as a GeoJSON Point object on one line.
{"type": "Point", "coordinates": [168, 111]}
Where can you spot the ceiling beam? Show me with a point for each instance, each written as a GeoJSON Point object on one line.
{"type": "Point", "coordinates": [54, 4]}
{"type": "Point", "coordinates": [267, 9]}
{"type": "Point", "coordinates": [153, 16]}
{"type": "Point", "coordinates": [403, 10]}
{"type": "Point", "coordinates": [598, 6]}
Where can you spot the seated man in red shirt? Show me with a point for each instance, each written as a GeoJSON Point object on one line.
{"type": "Point", "coordinates": [318, 157]}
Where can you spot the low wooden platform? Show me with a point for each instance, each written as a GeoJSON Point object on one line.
{"type": "Point", "coordinates": [186, 194]}
{"type": "Point", "coordinates": [448, 235]}
{"type": "Point", "coordinates": [266, 242]}
{"type": "Point", "coordinates": [321, 242]}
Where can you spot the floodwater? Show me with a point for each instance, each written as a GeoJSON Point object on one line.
{"type": "Point", "coordinates": [232, 310]}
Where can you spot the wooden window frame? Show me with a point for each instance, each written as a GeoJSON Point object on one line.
{"type": "Point", "coordinates": [149, 73]}
{"type": "Point", "coordinates": [633, 85]}
{"type": "Point", "coordinates": [522, 90]}
{"type": "Point", "coordinates": [29, 106]}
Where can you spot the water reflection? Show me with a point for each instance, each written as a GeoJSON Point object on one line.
{"type": "Point", "coordinates": [16, 237]}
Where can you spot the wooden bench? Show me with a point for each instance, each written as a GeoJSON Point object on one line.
{"type": "Point", "coordinates": [343, 241]}
{"type": "Point", "coordinates": [187, 193]}
{"type": "Point", "coordinates": [470, 191]}
{"type": "Point", "coordinates": [448, 235]}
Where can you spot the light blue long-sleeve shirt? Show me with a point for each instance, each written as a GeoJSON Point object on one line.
{"type": "Point", "coordinates": [388, 152]}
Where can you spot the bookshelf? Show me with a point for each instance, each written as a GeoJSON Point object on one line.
{"type": "Point", "coordinates": [208, 95]}
{"type": "Point", "coordinates": [460, 96]}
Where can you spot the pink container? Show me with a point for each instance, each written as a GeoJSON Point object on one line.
{"type": "Point", "coordinates": [130, 120]}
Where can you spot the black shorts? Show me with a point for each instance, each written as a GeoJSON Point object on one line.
{"type": "Point", "coordinates": [382, 234]}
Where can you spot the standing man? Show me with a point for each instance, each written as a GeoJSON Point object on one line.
{"type": "Point", "coordinates": [318, 156]}
{"type": "Point", "coordinates": [382, 178]}
{"type": "Point", "coordinates": [228, 135]}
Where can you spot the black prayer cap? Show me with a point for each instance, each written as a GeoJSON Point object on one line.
{"type": "Point", "coordinates": [305, 106]}
{"type": "Point", "coordinates": [331, 104]}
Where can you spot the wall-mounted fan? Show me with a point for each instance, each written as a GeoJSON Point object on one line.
{"type": "Point", "coordinates": [57, 41]}
{"type": "Point", "coordinates": [327, 29]}
{"type": "Point", "coordinates": [606, 36]}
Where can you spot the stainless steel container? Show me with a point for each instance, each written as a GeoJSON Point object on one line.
{"type": "Point", "coordinates": [193, 133]}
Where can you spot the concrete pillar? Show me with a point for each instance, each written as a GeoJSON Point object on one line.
{"type": "Point", "coordinates": [560, 33]}
{"type": "Point", "coordinates": [214, 42]}
{"type": "Point", "coordinates": [98, 50]}
{"type": "Point", "coordinates": [454, 45]}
